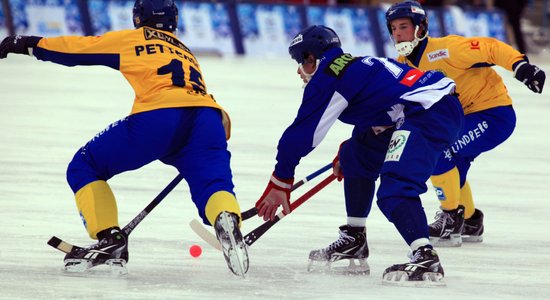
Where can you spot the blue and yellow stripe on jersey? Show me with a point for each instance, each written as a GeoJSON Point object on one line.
{"type": "Point", "coordinates": [174, 81]}
{"type": "Point", "coordinates": [468, 62]}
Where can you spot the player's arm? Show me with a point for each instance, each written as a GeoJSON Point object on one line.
{"type": "Point", "coordinates": [81, 50]}
{"type": "Point", "coordinates": [484, 52]}
{"type": "Point", "coordinates": [67, 50]}
{"type": "Point", "coordinates": [317, 113]}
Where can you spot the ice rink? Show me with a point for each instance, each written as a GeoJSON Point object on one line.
{"type": "Point", "coordinates": [48, 111]}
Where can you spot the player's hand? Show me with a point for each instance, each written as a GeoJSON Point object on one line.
{"type": "Point", "coordinates": [276, 193]}
{"type": "Point", "coordinates": [19, 44]}
{"type": "Point", "coordinates": [336, 167]}
{"type": "Point", "coordinates": [532, 76]}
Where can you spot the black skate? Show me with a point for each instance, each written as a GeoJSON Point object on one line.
{"type": "Point", "coordinates": [473, 228]}
{"type": "Point", "coordinates": [351, 248]}
{"type": "Point", "coordinates": [111, 250]}
{"type": "Point", "coordinates": [446, 231]}
{"type": "Point", "coordinates": [424, 270]}
{"type": "Point", "coordinates": [232, 243]}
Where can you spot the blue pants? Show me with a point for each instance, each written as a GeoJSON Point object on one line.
{"type": "Point", "coordinates": [483, 131]}
{"type": "Point", "coordinates": [190, 139]}
{"type": "Point", "coordinates": [404, 158]}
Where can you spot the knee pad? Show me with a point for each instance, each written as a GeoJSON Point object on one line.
{"type": "Point", "coordinates": [80, 173]}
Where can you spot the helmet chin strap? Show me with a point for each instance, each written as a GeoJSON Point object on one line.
{"type": "Point", "coordinates": [406, 48]}
{"type": "Point", "coordinates": [307, 75]}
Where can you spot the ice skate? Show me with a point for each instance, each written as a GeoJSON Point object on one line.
{"type": "Point", "coordinates": [111, 250]}
{"type": "Point", "coordinates": [446, 231]}
{"type": "Point", "coordinates": [232, 243]}
{"type": "Point", "coordinates": [424, 270]}
{"type": "Point", "coordinates": [473, 228]}
{"type": "Point", "coordinates": [347, 255]}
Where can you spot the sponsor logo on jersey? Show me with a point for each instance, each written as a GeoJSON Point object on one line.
{"type": "Point", "coordinates": [397, 144]}
{"type": "Point", "coordinates": [151, 34]}
{"type": "Point", "coordinates": [339, 65]}
{"type": "Point", "coordinates": [474, 45]}
{"type": "Point", "coordinates": [411, 77]}
{"type": "Point", "coordinates": [438, 54]}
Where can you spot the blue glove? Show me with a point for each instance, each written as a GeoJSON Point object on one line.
{"type": "Point", "coordinates": [19, 44]}
{"type": "Point", "coordinates": [530, 75]}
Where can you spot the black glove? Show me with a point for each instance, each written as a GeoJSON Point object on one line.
{"type": "Point", "coordinates": [530, 75]}
{"type": "Point", "coordinates": [19, 44]}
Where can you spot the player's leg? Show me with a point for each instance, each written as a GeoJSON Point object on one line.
{"type": "Point", "coordinates": [410, 160]}
{"type": "Point", "coordinates": [360, 159]}
{"type": "Point", "coordinates": [446, 230]}
{"type": "Point", "coordinates": [482, 132]}
{"type": "Point", "coordinates": [124, 145]}
{"type": "Point", "coordinates": [204, 161]}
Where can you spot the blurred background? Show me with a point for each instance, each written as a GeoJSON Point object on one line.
{"type": "Point", "coordinates": [265, 28]}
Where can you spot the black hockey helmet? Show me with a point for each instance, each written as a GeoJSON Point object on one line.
{"type": "Point", "coordinates": [314, 40]}
{"type": "Point", "coordinates": [158, 14]}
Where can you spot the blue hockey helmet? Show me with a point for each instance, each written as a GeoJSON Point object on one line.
{"type": "Point", "coordinates": [158, 14]}
{"type": "Point", "coordinates": [407, 9]}
{"type": "Point", "coordinates": [314, 40]}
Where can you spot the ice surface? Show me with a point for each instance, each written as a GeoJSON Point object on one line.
{"type": "Point", "coordinates": [48, 111]}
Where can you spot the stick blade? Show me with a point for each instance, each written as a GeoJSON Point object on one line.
{"type": "Point", "coordinates": [60, 245]}
{"type": "Point", "coordinates": [204, 234]}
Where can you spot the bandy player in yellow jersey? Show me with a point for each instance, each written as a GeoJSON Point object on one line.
{"type": "Point", "coordinates": [173, 119]}
{"type": "Point", "coordinates": [490, 117]}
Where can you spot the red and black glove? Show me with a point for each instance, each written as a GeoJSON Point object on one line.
{"type": "Point", "coordinates": [336, 167]}
{"type": "Point", "coordinates": [19, 44]}
{"type": "Point", "coordinates": [276, 193]}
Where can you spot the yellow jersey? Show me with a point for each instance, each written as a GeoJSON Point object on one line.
{"type": "Point", "coordinates": [468, 62]}
{"type": "Point", "coordinates": [162, 70]}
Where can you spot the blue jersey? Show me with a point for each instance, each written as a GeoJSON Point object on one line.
{"type": "Point", "coordinates": [361, 91]}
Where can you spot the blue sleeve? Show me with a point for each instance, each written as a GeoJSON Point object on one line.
{"type": "Point", "coordinates": [298, 139]}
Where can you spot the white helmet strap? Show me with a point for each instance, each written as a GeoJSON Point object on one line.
{"type": "Point", "coordinates": [406, 48]}
{"type": "Point", "coordinates": [307, 75]}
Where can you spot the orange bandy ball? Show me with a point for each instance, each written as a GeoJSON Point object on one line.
{"type": "Point", "coordinates": [195, 250]}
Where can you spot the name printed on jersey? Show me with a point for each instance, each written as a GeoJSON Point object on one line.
{"type": "Point", "coordinates": [338, 66]}
{"type": "Point", "coordinates": [438, 54]}
{"type": "Point", "coordinates": [151, 35]}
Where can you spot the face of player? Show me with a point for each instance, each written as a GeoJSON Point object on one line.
{"type": "Point", "coordinates": [402, 30]}
{"type": "Point", "coordinates": [307, 69]}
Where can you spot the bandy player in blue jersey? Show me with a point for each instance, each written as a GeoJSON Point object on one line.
{"type": "Point", "coordinates": [403, 119]}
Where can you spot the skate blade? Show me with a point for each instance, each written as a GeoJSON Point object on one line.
{"type": "Point", "coordinates": [357, 266]}
{"type": "Point", "coordinates": [234, 250]}
{"type": "Point", "coordinates": [452, 241]}
{"type": "Point", "coordinates": [77, 265]}
{"type": "Point", "coordinates": [117, 266]}
{"type": "Point", "coordinates": [401, 278]}
{"type": "Point", "coordinates": [472, 238]}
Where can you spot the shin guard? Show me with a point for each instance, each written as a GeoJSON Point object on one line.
{"type": "Point", "coordinates": [97, 207]}
{"type": "Point", "coordinates": [447, 186]}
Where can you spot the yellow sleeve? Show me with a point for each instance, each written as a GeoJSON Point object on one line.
{"type": "Point", "coordinates": [482, 51]}
{"type": "Point", "coordinates": [82, 50]}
